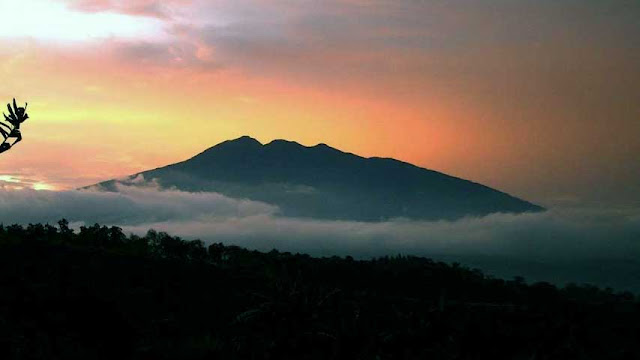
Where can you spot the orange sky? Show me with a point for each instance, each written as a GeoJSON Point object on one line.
{"type": "Point", "coordinates": [535, 98]}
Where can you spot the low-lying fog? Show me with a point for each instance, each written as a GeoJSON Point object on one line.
{"type": "Point", "coordinates": [559, 245]}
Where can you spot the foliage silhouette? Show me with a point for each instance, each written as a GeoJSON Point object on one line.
{"type": "Point", "coordinates": [100, 294]}
{"type": "Point", "coordinates": [17, 115]}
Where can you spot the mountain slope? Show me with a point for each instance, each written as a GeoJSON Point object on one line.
{"type": "Point", "coordinates": [323, 182]}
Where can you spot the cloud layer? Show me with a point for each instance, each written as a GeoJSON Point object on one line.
{"type": "Point", "coordinates": [557, 245]}
{"type": "Point", "coordinates": [133, 206]}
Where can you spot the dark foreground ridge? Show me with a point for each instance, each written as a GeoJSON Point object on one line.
{"type": "Point", "coordinates": [99, 294]}
{"type": "Point", "coordinates": [326, 183]}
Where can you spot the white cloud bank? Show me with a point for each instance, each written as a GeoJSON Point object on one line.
{"type": "Point", "coordinates": [558, 245]}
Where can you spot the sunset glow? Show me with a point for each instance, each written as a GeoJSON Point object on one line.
{"type": "Point", "coordinates": [515, 96]}
{"type": "Point", "coordinates": [277, 179]}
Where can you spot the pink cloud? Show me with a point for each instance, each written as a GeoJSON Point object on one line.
{"type": "Point", "coordinates": [150, 8]}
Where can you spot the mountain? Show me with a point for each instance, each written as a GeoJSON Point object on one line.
{"type": "Point", "coordinates": [326, 183]}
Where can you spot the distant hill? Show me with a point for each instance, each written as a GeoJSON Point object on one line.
{"type": "Point", "coordinates": [326, 183]}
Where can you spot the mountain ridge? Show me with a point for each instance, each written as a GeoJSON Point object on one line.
{"type": "Point", "coordinates": [345, 186]}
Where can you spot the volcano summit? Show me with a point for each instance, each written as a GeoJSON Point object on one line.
{"type": "Point", "coordinates": [326, 183]}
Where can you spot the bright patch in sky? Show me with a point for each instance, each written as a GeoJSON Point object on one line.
{"type": "Point", "coordinates": [51, 20]}
{"type": "Point", "coordinates": [9, 178]}
{"type": "Point", "coordinates": [10, 182]}
{"type": "Point", "coordinates": [42, 186]}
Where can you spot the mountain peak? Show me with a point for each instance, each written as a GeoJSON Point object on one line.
{"type": "Point", "coordinates": [246, 139]}
{"type": "Point", "coordinates": [242, 144]}
{"type": "Point", "coordinates": [239, 143]}
{"type": "Point", "coordinates": [283, 142]}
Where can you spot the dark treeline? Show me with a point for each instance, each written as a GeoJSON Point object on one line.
{"type": "Point", "coordinates": [100, 294]}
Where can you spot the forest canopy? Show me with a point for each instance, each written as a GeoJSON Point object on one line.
{"type": "Point", "coordinates": [99, 293]}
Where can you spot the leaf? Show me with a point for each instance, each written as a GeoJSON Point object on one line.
{"type": "Point", "coordinates": [12, 115]}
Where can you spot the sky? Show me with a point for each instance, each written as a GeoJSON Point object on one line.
{"type": "Point", "coordinates": [540, 99]}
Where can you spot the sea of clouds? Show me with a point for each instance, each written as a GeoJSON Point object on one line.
{"type": "Point", "coordinates": [559, 245]}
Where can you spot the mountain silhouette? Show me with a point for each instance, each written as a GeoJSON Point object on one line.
{"type": "Point", "coordinates": [326, 183]}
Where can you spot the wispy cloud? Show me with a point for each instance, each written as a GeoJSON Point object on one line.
{"type": "Point", "coordinates": [151, 8]}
